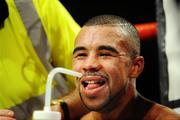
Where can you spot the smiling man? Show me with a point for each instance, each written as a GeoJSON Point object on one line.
{"type": "Point", "coordinates": [107, 52]}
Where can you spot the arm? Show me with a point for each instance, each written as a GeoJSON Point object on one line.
{"type": "Point", "coordinates": [75, 106]}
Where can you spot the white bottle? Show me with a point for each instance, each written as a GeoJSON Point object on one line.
{"type": "Point", "coordinates": [46, 115]}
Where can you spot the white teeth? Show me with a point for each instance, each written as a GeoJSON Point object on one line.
{"type": "Point", "coordinates": [90, 82]}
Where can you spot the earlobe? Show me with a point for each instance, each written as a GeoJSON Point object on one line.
{"type": "Point", "coordinates": [137, 67]}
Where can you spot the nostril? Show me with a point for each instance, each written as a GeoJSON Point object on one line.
{"type": "Point", "coordinates": [90, 69]}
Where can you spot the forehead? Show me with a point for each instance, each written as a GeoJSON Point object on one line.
{"type": "Point", "coordinates": [92, 36]}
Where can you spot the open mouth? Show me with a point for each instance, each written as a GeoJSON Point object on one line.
{"type": "Point", "coordinates": [92, 84]}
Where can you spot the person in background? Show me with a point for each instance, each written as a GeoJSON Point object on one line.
{"type": "Point", "coordinates": [23, 70]}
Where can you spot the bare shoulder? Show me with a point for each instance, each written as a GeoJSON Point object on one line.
{"type": "Point", "coordinates": [92, 116]}
{"type": "Point", "coordinates": [166, 113]}
{"type": "Point", "coordinates": [87, 116]}
{"type": "Point", "coordinates": [160, 112]}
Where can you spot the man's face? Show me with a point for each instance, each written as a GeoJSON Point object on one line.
{"type": "Point", "coordinates": [101, 56]}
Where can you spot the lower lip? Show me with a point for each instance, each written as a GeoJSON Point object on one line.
{"type": "Point", "coordinates": [92, 92]}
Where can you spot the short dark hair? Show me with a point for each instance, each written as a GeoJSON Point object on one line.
{"type": "Point", "coordinates": [124, 25]}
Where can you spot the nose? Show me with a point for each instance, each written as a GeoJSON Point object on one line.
{"type": "Point", "coordinates": [92, 64]}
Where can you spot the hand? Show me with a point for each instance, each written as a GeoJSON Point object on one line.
{"type": "Point", "coordinates": [6, 114]}
{"type": "Point", "coordinates": [57, 107]}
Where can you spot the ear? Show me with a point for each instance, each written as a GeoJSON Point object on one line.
{"type": "Point", "coordinates": [137, 66]}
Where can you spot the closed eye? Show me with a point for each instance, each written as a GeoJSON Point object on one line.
{"type": "Point", "coordinates": [80, 55]}
{"type": "Point", "coordinates": [105, 54]}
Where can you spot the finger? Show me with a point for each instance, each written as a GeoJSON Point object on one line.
{"type": "Point", "coordinates": [6, 113]}
{"type": "Point", "coordinates": [6, 118]}
{"type": "Point", "coordinates": [55, 108]}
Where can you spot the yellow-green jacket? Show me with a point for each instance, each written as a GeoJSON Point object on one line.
{"type": "Point", "coordinates": [22, 75]}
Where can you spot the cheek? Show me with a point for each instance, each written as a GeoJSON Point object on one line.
{"type": "Point", "coordinates": [76, 65]}
{"type": "Point", "coordinates": [117, 72]}
{"type": "Point", "coordinates": [112, 70]}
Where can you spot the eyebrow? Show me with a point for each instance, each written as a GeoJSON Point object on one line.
{"type": "Point", "coordinates": [102, 47]}
{"type": "Point", "coordinates": [78, 49]}
{"type": "Point", "coordinates": [107, 47]}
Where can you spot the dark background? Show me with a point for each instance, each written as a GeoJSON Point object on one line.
{"type": "Point", "coordinates": [135, 11]}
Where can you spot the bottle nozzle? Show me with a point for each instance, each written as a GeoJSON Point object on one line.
{"type": "Point", "coordinates": [47, 114]}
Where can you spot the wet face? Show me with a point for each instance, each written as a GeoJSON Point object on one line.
{"type": "Point", "coordinates": [99, 54]}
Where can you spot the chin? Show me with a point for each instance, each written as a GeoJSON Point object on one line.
{"type": "Point", "coordinates": [92, 106]}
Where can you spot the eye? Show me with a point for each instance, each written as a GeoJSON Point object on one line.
{"type": "Point", "coordinates": [105, 54]}
{"type": "Point", "coordinates": [80, 55]}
